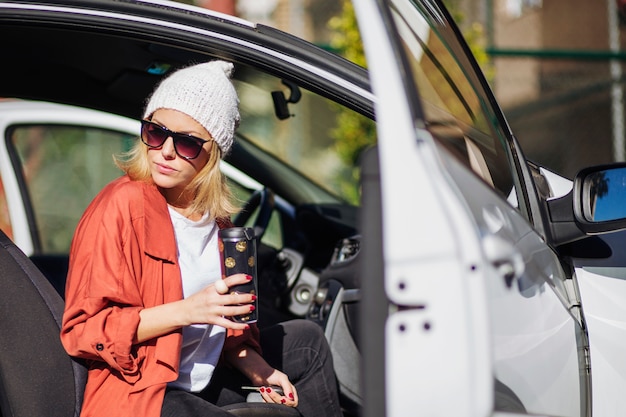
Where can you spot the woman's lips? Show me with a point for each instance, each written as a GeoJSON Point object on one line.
{"type": "Point", "coordinates": [164, 169]}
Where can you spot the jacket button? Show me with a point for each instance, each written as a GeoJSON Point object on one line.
{"type": "Point", "coordinates": [100, 347]}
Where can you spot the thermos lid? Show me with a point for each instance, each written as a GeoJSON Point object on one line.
{"type": "Point", "coordinates": [237, 233]}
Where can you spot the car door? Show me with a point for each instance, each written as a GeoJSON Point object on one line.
{"type": "Point", "coordinates": [602, 282]}
{"type": "Point", "coordinates": [476, 311]}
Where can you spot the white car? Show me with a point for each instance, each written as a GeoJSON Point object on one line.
{"type": "Point", "coordinates": [452, 276]}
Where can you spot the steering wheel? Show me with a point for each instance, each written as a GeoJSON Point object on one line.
{"type": "Point", "coordinates": [263, 200]}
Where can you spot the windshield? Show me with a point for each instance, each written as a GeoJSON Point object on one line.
{"type": "Point", "coordinates": [303, 130]}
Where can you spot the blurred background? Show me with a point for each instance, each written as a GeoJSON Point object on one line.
{"type": "Point", "coordinates": [556, 66]}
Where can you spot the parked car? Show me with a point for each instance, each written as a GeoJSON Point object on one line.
{"type": "Point", "coordinates": [452, 276]}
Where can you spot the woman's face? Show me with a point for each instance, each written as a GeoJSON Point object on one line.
{"type": "Point", "coordinates": [170, 172]}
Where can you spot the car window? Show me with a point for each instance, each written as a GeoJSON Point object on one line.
{"type": "Point", "coordinates": [63, 167]}
{"type": "Point", "coordinates": [309, 138]}
{"type": "Point", "coordinates": [456, 115]}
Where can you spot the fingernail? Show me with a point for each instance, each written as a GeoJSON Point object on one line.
{"type": "Point", "coordinates": [253, 297]}
{"type": "Point", "coordinates": [252, 308]}
{"type": "Point", "coordinates": [268, 390]}
{"type": "Point", "coordinates": [249, 277]}
{"type": "Point", "coordinates": [247, 327]}
{"type": "Point", "coordinates": [283, 401]}
{"type": "Point", "coordinates": [291, 395]}
{"type": "Point", "coordinates": [262, 389]}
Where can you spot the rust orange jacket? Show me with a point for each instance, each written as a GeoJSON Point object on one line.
{"type": "Point", "coordinates": [123, 259]}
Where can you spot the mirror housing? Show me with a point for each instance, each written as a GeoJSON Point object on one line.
{"type": "Point", "coordinates": [596, 204]}
{"type": "Point", "coordinates": [599, 198]}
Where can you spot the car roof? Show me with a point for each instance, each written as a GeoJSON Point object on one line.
{"type": "Point", "coordinates": [108, 55]}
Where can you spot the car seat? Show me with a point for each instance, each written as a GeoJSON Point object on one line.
{"type": "Point", "coordinates": [37, 377]}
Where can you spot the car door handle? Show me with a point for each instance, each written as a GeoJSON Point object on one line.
{"type": "Point", "coordinates": [505, 257]}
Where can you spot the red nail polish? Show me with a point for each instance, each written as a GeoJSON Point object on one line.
{"type": "Point", "coordinates": [253, 297]}
{"type": "Point", "coordinates": [283, 401]}
{"type": "Point", "coordinates": [252, 308]}
{"type": "Point", "coordinates": [269, 390]}
{"type": "Point", "coordinates": [249, 277]}
{"type": "Point", "coordinates": [262, 389]}
{"type": "Point", "coordinates": [291, 395]}
{"type": "Point", "coordinates": [247, 327]}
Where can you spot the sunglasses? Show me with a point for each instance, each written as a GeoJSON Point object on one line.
{"type": "Point", "coordinates": [186, 146]}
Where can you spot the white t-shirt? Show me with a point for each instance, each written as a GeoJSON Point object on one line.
{"type": "Point", "coordinates": [198, 257]}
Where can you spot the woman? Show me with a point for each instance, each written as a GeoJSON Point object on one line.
{"type": "Point", "coordinates": [145, 305]}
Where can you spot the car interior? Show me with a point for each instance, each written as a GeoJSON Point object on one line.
{"type": "Point", "coordinates": [309, 237]}
{"type": "Point", "coordinates": [306, 256]}
{"type": "Point", "coordinates": [313, 275]}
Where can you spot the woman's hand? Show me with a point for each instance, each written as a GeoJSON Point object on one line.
{"type": "Point", "coordinates": [215, 304]}
{"type": "Point", "coordinates": [207, 306]}
{"type": "Point", "coordinates": [261, 374]}
{"type": "Point", "coordinates": [279, 379]}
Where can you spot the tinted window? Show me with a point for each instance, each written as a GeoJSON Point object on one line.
{"type": "Point", "coordinates": [63, 168]}
{"type": "Point", "coordinates": [317, 137]}
{"type": "Point", "coordinates": [456, 114]}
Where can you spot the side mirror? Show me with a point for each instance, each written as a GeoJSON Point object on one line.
{"type": "Point", "coordinates": [596, 204]}
{"type": "Point", "coordinates": [599, 198]}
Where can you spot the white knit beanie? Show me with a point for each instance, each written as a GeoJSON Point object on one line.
{"type": "Point", "coordinates": [204, 92]}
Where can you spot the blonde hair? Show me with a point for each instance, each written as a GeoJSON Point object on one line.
{"type": "Point", "coordinates": [209, 188]}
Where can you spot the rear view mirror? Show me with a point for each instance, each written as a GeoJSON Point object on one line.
{"type": "Point", "coordinates": [600, 198]}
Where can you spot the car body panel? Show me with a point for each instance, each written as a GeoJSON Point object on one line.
{"type": "Point", "coordinates": [602, 285]}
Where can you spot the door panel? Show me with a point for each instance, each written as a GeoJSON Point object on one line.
{"type": "Point", "coordinates": [536, 343]}
{"type": "Point", "coordinates": [479, 312]}
{"type": "Point", "coordinates": [602, 284]}
{"type": "Point", "coordinates": [427, 249]}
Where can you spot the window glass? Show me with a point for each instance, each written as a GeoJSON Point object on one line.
{"type": "Point", "coordinates": [316, 137]}
{"type": "Point", "coordinates": [456, 115]}
{"type": "Point", "coordinates": [5, 219]}
{"type": "Point", "coordinates": [64, 167]}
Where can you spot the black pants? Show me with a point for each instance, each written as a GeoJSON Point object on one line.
{"type": "Point", "coordinates": [297, 348]}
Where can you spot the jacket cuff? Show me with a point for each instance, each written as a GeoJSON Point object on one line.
{"type": "Point", "coordinates": [119, 351]}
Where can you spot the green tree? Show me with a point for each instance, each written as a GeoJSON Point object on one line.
{"type": "Point", "coordinates": [354, 132]}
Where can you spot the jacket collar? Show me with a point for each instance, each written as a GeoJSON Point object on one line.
{"type": "Point", "coordinates": [160, 241]}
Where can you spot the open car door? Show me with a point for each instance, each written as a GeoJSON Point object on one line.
{"type": "Point", "coordinates": [466, 310]}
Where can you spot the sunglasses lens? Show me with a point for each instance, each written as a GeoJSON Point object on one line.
{"type": "Point", "coordinates": [187, 147]}
{"type": "Point", "coordinates": [152, 135]}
